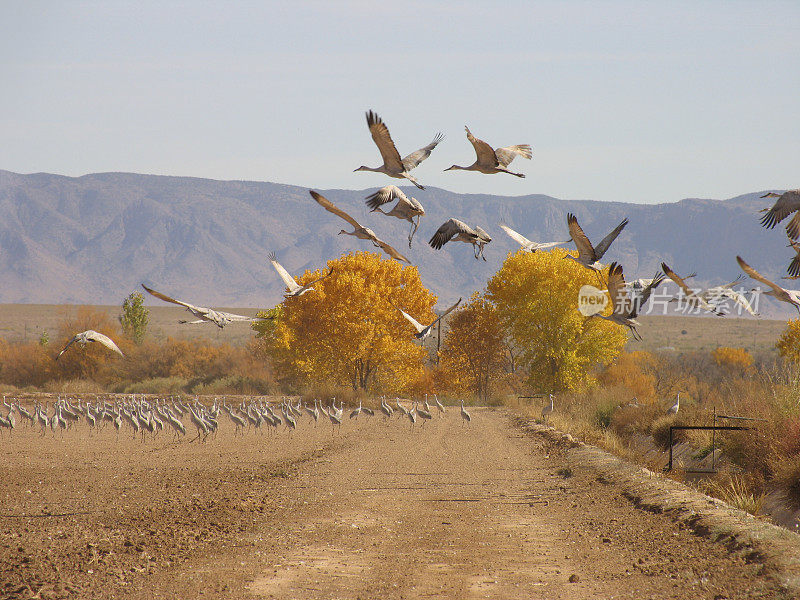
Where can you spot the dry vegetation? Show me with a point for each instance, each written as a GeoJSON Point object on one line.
{"type": "Point", "coordinates": [630, 406]}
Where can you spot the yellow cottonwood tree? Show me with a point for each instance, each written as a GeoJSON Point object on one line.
{"type": "Point", "coordinates": [536, 296]}
{"type": "Point", "coordinates": [788, 344]}
{"type": "Point", "coordinates": [346, 331]}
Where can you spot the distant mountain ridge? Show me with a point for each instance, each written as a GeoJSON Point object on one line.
{"type": "Point", "coordinates": [94, 239]}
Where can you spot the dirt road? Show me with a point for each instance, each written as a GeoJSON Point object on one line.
{"type": "Point", "coordinates": [376, 511]}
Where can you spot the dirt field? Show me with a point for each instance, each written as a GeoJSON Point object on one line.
{"type": "Point", "coordinates": [373, 511]}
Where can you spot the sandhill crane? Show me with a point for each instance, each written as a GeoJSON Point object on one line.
{"type": "Point", "coordinates": [424, 414]}
{"type": "Point", "coordinates": [693, 299]}
{"type": "Point", "coordinates": [362, 233]}
{"type": "Point", "coordinates": [548, 409]}
{"type": "Point", "coordinates": [294, 288]}
{"type": "Point", "coordinates": [624, 308]}
{"type": "Point", "coordinates": [334, 417]}
{"type": "Point", "coordinates": [424, 331]}
{"type": "Point", "coordinates": [439, 405]}
{"type": "Point", "coordinates": [412, 415]}
{"type": "Point", "coordinates": [386, 409]}
{"type": "Point", "coordinates": [403, 410]}
{"type": "Point", "coordinates": [91, 335]}
{"type": "Point", "coordinates": [465, 417]}
{"type": "Point", "coordinates": [393, 165]}
{"type": "Point", "coordinates": [453, 229]}
{"type": "Point", "coordinates": [789, 296]}
{"type": "Point", "coordinates": [720, 293]}
{"type": "Point", "coordinates": [490, 161]}
{"type": "Point", "coordinates": [203, 314]}
{"type": "Point", "coordinates": [589, 256]}
{"type": "Point", "coordinates": [528, 245]}
{"type": "Point", "coordinates": [406, 208]}
{"type": "Point", "coordinates": [313, 412]}
{"type": "Point", "coordinates": [787, 203]}
{"type": "Point", "coordinates": [356, 412]}
{"type": "Point", "coordinates": [673, 410]}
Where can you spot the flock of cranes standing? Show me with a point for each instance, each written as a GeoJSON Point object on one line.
{"type": "Point", "coordinates": [142, 416]}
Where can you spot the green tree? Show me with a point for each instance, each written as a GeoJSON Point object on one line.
{"type": "Point", "coordinates": [134, 317]}
{"type": "Point", "coordinates": [44, 339]}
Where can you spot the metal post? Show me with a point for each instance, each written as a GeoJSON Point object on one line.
{"type": "Point", "coordinates": [714, 442]}
{"type": "Point", "coordinates": [438, 339]}
{"type": "Point", "coordinates": [669, 467]}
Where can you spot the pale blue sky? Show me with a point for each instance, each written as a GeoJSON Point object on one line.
{"type": "Point", "coordinates": [630, 101]}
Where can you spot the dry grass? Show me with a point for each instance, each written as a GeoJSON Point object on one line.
{"type": "Point", "coordinates": [737, 490]}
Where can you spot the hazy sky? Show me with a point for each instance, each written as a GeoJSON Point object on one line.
{"type": "Point", "coordinates": [632, 101]}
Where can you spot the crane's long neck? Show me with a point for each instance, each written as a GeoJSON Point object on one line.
{"type": "Point", "coordinates": [373, 169]}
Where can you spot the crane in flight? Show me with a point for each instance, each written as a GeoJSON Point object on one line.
{"type": "Point", "coordinates": [205, 315]}
{"type": "Point", "coordinates": [424, 331]}
{"type": "Point", "coordinates": [90, 335]}
{"type": "Point", "coordinates": [393, 165]}
{"type": "Point", "coordinates": [490, 161]}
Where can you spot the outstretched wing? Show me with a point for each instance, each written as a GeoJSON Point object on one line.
{"type": "Point", "coordinates": [413, 159]}
{"type": "Point", "coordinates": [787, 203]}
{"type": "Point", "coordinates": [677, 279]}
{"type": "Point", "coordinates": [447, 231]}
{"type": "Point", "coordinates": [753, 274]}
{"type": "Point", "coordinates": [585, 248]}
{"type": "Point", "coordinates": [382, 139]}
{"type": "Point", "coordinates": [621, 301]}
{"type": "Point", "coordinates": [484, 151]}
{"type": "Point", "coordinates": [738, 298]}
{"type": "Point", "coordinates": [602, 247]}
{"type": "Point", "coordinates": [330, 272]}
{"type": "Point", "coordinates": [94, 336]}
{"type": "Point", "coordinates": [793, 227]}
{"type": "Point", "coordinates": [447, 312]}
{"type": "Point", "coordinates": [417, 325]}
{"type": "Point", "coordinates": [386, 194]}
{"type": "Point", "coordinates": [331, 207]}
{"type": "Point", "coordinates": [234, 317]}
{"type": "Point", "coordinates": [391, 251]}
{"type": "Point", "coordinates": [166, 298]}
{"type": "Point", "coordinates": [517, 237]}
{"type": "Point", "coordinates": [794, 266]}
{"type": "Point", "coordinates": [69, 343]}
{"type": "Point", "coordinates": [644, 296]}
{"type": "Point", "coordinates": [509, 153]}
{"type": "Point", "coordinates": [284, 274]}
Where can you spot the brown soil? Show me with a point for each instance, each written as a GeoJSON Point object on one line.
{"type": "Point", "coordinates": [376, 511]}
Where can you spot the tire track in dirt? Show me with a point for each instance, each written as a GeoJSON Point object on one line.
{"type": "Point", "coordinates": [482, 512]}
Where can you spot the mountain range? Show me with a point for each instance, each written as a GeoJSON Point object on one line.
{"type": "Point", "coordinates": [94, 239]}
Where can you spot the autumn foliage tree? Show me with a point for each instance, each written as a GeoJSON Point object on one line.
{"type": "Point", "coordinates": [788, 344]}
{"type": "Point", "coordinates": [346, 332]}
{"type": "Point", "coordinates": [536, 295]}
{"type": "Point", "coordinates": [734, 359]}
{"type": "Point", "coordinates": [629, 370]}
{"type": "Point", "coordinates": [474, 354]}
